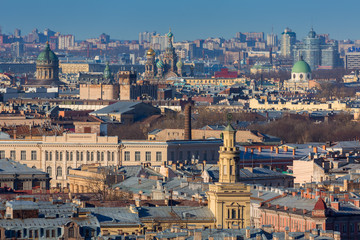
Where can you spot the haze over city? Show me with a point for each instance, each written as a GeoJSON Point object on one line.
{"type": "Point", "coordinates": [190, 19]}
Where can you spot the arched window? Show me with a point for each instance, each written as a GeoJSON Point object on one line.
{"type": "Point", "coordinates": [49, 171]}
{"type": "Point", "coordinates": [58, 171]}
{"type": "Point", "coordinates": [71, 233]}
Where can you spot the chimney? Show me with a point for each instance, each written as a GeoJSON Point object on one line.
{"type": "Point", "coordinates": [294, 152]}
{"type": "Point", "coordinates": [286, 233]}
{"type": "Point", "coordinates": [260, 149]}
{"type": "Point", "coordinates": [324, 147]}
{"type": "Point", "coordinates": [271, 148]}
{"type": "Point", "coordinates": [357, 203]}
{"type": "Point", "coordinates": [277, 150]}
{"type": "Point", "coordinates": [139, 181]}
{"type": "Point", "coordinates": [294, 209]}
{"type": "Point", "coordinates": [304, 211]}
{"type": "Point", "coordinates": [335, 205]}
{"type": "Point", "coordinates": [245, 149]}
{"type": "Point", "coordinates": [286, 208]}
{"type": "Point", "coordinates": [248, 234]}
{"type": "Point", "coordinates": [14, 133]}
{"type": "Point", "coordinates": [137, 202]}
{"type": "Point", "coordinates": [187, 113]}
{"type": "Point", "coordinates": [285, 149]}
{"type": "Point", "coordinates": [315, 150]}
{"type": "Point", "coordinates": [252, 150]}
{"type": "Point", "coordinates": [173, 166]}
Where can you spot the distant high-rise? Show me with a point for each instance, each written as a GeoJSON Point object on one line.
{"type": "Point", "coordinates": [146, 37]}
{"type": "Point", "coordinates": [316, 52]}
{"type": "Point", "coordinates": [288, 40]}
{"type": "Point", "coordinates": [66, 41]}
{"type": "Point", "coordinates": [17, 33]}
{"type": "Point", "coordinates": [272, 40]}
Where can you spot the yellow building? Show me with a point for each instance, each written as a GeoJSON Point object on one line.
{"type": "Point", "coordinates": [228, 199]}
{"type": "Point", "coordinates": [215, 81]}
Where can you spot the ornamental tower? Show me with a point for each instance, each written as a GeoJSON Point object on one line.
{"type": "Point", "coordinates": [150, 64]}
{"type": "Point", "coordinates": [228, 199]}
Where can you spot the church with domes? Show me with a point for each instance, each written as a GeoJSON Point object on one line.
{"type": "Point", "coordinates": [47, 69]}
{"type": "Point", "coordinates": [300, 77]}
{"type": "Point", "coordinates": [165, 66]}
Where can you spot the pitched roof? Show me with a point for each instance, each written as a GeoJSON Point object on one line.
{"type": "Point", "coordinates": [320, 204]}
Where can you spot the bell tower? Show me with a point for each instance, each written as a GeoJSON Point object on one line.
{"type": "Point", "coordinates": [229, 199]}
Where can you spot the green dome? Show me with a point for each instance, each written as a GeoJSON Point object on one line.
{"type": "Point", "coordinates": [160, 64]}
{"type": "Point", "coordinates": [107, 73]}
{"type": "Point", "coordinates": [301, 67]}
{"type": "Point", "coordinates": [170, 34]}
{"type": "Point", "coordinates": [47, 55]}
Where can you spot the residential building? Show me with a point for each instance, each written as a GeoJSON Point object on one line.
{"type": "Point", "coordinates": [288, 40]}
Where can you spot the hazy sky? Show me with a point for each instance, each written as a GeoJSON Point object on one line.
{"type": "Point", "coordinates": [189, 19]}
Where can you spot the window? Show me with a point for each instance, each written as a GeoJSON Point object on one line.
{"type": "Point", "coordinates": [33, 155]}
{"type": "Point", "coordinates": [158, 156]}
{"type": "Point", "coordinates": [71, 156]}
{"type": "Point", "coordinates": [352, 229]}
{"type": "Point", "coordinates": [56, 156]}
{"type": "Point", "coordinates": [46, 156]}
{"type": "Point", "coordinates": [92, 156]}
{"type": "Point", "coordinates": [127, 156]}
{"type": "Point", "coordinates": [61, 156]}
{"type": "Point", "coordinates": [87, 155]}
{"type": "Point", "coordinates": [23, 155]}
{"type": "Point", "coordinates": [180, 155]}
{"type": "Point", "coordinates": [112, 156]}
{"type": "Point", "coordinates": [109, 156]}
{"type": "Point", "coordinates": [172, 156]}
{"type": "Point", "coordinates": [67, 156]}
{"type": "Point", "coordinates": [50, 156]}
{"type": "Point", "coordinates": [71, 233]}
{"type": "Point", "coordinates": [2, 154]}
{"type": "Point", "coordinates": [137, 156]}
{"type": "Point", "coordinates": [59, 172]}
{"type": "Point", "coordinates": [49, 170]}
{"type": "Point", "coordinates": [102, 156]}
{"type": "Point", "coordinates": [148, 156]}
{"type": "Point", "coordinates": [233, 213]}
{"type": "Point", "coordinates": [344, 226]}
{"type": "Point", "coordinates": [188, 155]}
{"type": "Point", "coordinates": [81, 156]}
{"type": "Point", "coordinates": [205, 155]}
{"type": "Point", "coordinates": [77, 156]}
{"type": "Point", "coordinates": [98, 156]}
{"type": "Point", "coordinates": [12, 155]}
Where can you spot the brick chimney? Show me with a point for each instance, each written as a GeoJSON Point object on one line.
{"type": "Point", "coordinates": [335, 205]}
{"type": "Point", "coordinates": [187, 112]}
{"type": "Point", "coordinates": [294, 152]}
{"type": "Point", "coordinates": [277, 150]}
{"type": "Point", "coordinates": [315, 150]}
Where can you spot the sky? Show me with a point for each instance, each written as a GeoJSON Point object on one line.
{"type": "Point", "coordinates": [188, 19]}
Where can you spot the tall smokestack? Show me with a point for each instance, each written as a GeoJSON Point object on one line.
{"type": "Point", "coordinates": [187, 112]}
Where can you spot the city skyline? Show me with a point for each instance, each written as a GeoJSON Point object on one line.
{"type": "Point", "coordinates": [189, 20]}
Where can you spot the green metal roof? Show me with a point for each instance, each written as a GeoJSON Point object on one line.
{"type": "Point", "coordinates": [47, 55]}
{"type": "Point", "coordinates": [301, 67]}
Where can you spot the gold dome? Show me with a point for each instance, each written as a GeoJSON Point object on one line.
{"type": "Point", "coordinates": [150, 52]}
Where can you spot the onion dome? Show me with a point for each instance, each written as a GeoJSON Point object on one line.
{"type": "Point", "coordinates": [301, 67]}
{"type": "Point", "coordinates": [160, 64]}
{"type": "Point", "coordinates": [179, 64]}
{"type": "Point", "coordinates": [150, 52]}
{"type": "Point", "coordinates": [107, 73]}
{"type": "Point", "coordinates": [170, 34]}
{"type": "Point", "coordinates": [47, 56]}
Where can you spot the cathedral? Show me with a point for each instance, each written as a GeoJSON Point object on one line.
{"type": "Point", "coordinates": [166, 66]}
{"type": "Point", "coordinates": [47, 69]}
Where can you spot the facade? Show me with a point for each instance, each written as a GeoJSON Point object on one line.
{"type": "Point", "coordinates": [56, 155]}
{"type": "Point", "coordinates": [66, 41]}
{"type": "Point", "coordinates": [228, 199]}
{"type": "Point", "coordinates": [352, 60]}
{"type": "Point", "coordinates": [288, 40]}
{"type": "Point", "coordinates": [300, 76]}
{"type": "Point", "coordinates": [316, 52]}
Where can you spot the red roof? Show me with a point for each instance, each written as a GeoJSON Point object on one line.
{"type": "Point", "coordinates": [320, 205]}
